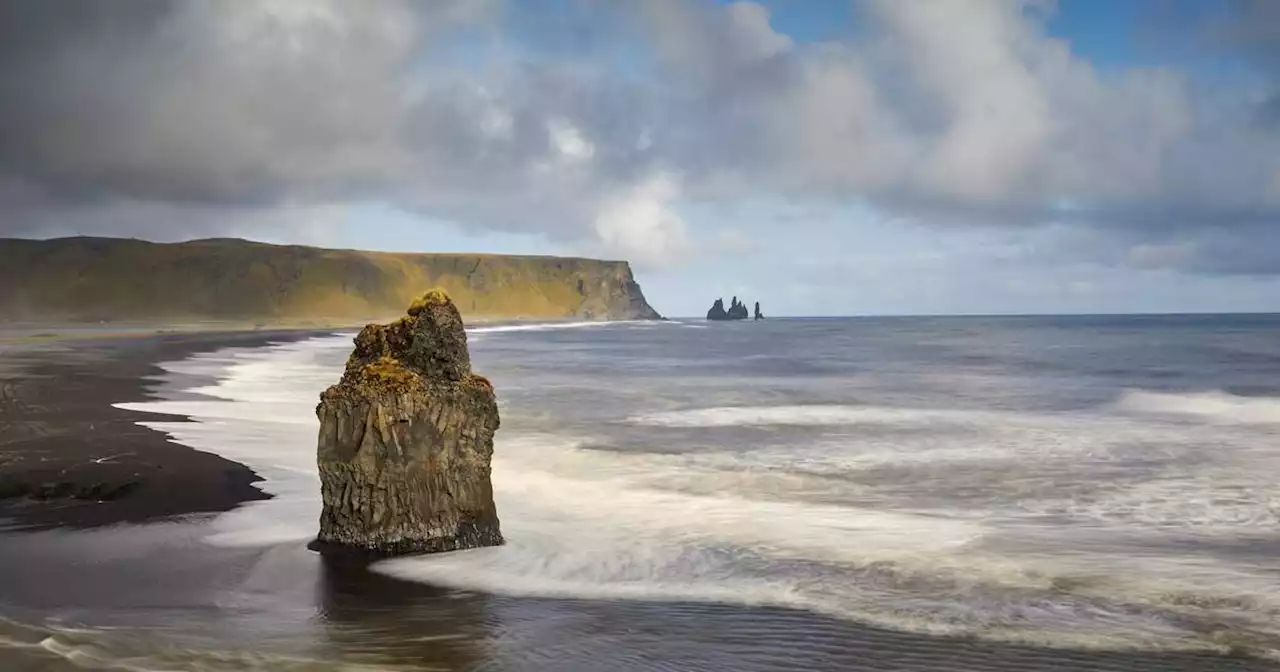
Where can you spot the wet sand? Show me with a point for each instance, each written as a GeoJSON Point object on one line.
{"type": "Point", "coordinates": [68, 458]}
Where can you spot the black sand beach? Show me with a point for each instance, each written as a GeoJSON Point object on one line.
{"type": "Point", "coordinates": [68, 458]}
{"type": "Point", "coordinates": [154, 597]}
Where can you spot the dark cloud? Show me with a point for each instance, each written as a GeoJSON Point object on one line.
{"type": "Point", "coordinates": [200, 102]}
{"type": "Point", "coordinates": [1251, 27]}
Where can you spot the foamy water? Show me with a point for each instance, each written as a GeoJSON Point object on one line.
{"type": "Point", "coordinates": [625, 471]}
{"type": "Point", "coordinates": [547, 326]}
{"type": "Point", "coordinates": [1213, 406]}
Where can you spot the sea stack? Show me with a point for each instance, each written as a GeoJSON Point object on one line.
{"type": "Point", "coordinates": [717, 311]}
{"type": "Point", "coordinates": [737, 310]}
{"type": "Point", "coordinates": [405, 441]}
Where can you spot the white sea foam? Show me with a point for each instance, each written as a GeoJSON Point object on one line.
{"type": "Point", "coordinates": [261, 413]}
{"type": "Point", "coordinates": [585, 524]}
{"type": "Point", "coordinates": [808, 415]}
{"type": "Point", "coordinates": [1213, 406]}
{"type": "Point", "coordinates": [551, 326]}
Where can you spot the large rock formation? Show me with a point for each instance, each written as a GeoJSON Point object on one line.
{"type": "Point", "coordinates": [717, 311]}
{"type": "Point", "coordinates": [737, 310]}
{"type": "Point", "coordinates": [405, 440]}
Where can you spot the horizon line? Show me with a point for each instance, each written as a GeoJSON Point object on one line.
{"type": "Point", "coordinates": [980, 314]}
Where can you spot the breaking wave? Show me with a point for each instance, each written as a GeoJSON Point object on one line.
{"type": "Point", "coordinates": [37, 647]}
{"type": "Point", "coordinates": [806, 415]}
{"type": "Point", "coordinates": [1213, 406]}
{"type": "Point", "coordinates": [550, 326]}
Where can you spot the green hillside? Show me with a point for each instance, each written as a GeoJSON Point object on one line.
{"type": "Point", "coordinates": [113, 279]}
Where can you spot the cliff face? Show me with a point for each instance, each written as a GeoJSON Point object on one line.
{"type": "Point", "coordinates": [406, 439]}
{"type": "Point", "coordinates": [225, 279]}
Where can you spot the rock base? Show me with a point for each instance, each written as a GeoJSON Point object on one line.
{"type": "Point", "coordinates": [468, 535]}
{"type": "Point", "coordinates": [406, 438]}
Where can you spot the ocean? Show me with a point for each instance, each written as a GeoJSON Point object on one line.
{"type": "Point", "coordinates": [951, 493]}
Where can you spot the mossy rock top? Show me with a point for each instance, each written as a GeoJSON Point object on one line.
{"type": "Point", "coordinates": [433, 297]}
{"type": "Point", "coordinates": [429, 342]}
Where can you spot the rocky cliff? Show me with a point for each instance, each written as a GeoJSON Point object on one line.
{"type": "Point", "coordinates": [405, 440]}
{"type": "Point", "coordinates": [113, 279]}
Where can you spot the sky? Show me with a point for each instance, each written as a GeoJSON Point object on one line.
{"type": "Point", "coordinates": [823, 157]}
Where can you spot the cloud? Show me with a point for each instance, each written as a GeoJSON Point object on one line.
{"type": "Point", "coordinates": [592, 128]}
{"type": "Point", "coordinates": [223, 107]}
{"type": "Point", "coordinates": [970, 114]}
{"type": "Point", "coordinates": [639, 224]}
{"type": "Point", "coordinates": [205, 102]}
{"type": "Point", "coordinates": [969, 65]}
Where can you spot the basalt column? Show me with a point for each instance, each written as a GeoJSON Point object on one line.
{"type": "Point", "coordinates": [406, 438]}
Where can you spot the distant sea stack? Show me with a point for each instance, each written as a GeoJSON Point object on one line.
{"type": "Point", "coordinates": [229, 280]}
{"type": "Point", "coordinates": [737, 310]}
{"type": "Point", "coordinates": [406, 437]}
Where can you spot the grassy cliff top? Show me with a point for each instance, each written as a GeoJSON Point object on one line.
{"type": "Point", "coordinates": [115, 279]}
{"type": "Point", "coordinates": [237, 242]}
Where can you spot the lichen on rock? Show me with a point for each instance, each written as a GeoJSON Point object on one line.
{"type": "Point", "coordinates": [406, 439]}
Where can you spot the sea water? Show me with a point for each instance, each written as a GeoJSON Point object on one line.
{"type": "Point", "coordinates": [1074, 482]}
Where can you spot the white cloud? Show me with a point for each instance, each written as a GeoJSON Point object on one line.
{"type": "Point", "coordinates": [750, 33]}
{"type": "Point", "coordinates": [639, 224]}
{"type": "Point", "coordinates": [969, 60]}
{"type": "Point", "coordinates": [569, 141]}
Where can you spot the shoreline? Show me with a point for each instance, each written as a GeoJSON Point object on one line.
{"type": "Point", "coordinates": [68, 458]}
